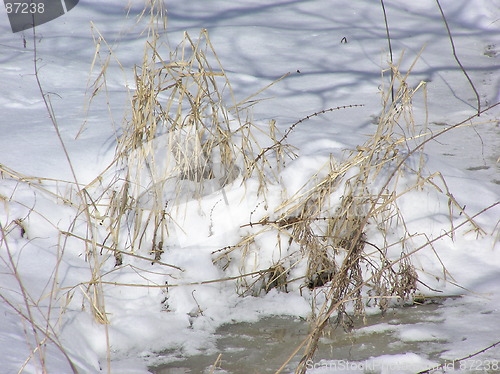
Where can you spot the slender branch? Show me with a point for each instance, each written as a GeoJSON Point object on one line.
{"type": "Point", "coordinates": [48, 332]}
{"type": "Point", "coordinates": [457, 59]}
{"type": "Point", "coordinates": [390, 48]}
{"type": "Point", "coordinates": [460, 359]}
{"type": "Point", "coordinates": [290, 129]}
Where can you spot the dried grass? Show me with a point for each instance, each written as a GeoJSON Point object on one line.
{"type": "Point", "coordinates": [183, 141]}
{"type": "Point", "coordinates": [326, 223]}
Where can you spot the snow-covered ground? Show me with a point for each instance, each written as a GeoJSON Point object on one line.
{"type": "Point", "coordinates": [335, 52]}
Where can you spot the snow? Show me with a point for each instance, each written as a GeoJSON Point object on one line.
{"type": "Point", "coordinates": [44, 275]}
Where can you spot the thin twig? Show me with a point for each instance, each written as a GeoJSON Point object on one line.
{"type": "Point", "coordinates": [48, 331]}
{"type": "Point", "coordinates": [290, 129]}
{"type": "Point", "coordinates": [457, 360]}
{"type": "Point", "coordinates": [458, 60]}
{"type": "Point", "coordinates": [390, 49]}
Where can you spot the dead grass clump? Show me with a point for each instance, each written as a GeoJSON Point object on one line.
{"type": "Point", "coordinates": [321, 231]}
{"type": "Point", "coordinates": [385, 171]}
{"type": "Point", "coordinates": [181, 142]}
